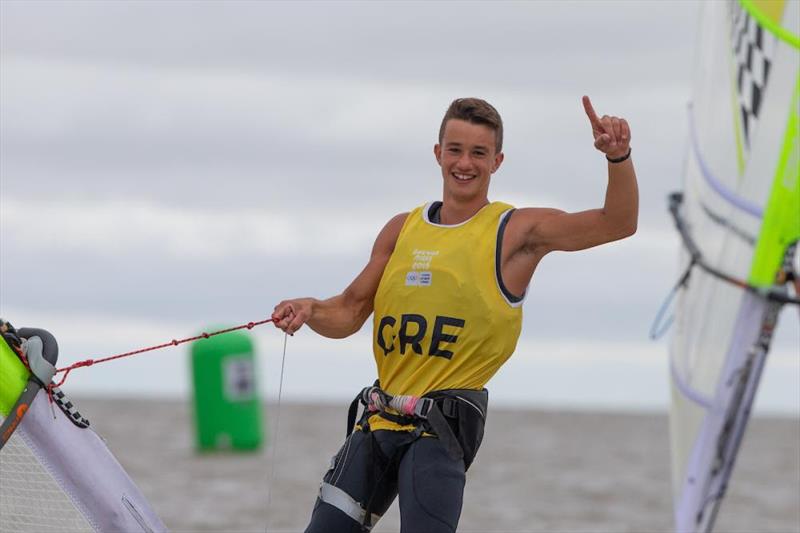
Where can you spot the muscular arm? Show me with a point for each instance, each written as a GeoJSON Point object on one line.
{"type": "Point", "coordinates": [344, 314]}
{"type": "Point", "coordinates": [534, 232]}
{"type": "Point", "coordinates": [550, 229]}
{"type": "Point", "coordinates": [543, 230]}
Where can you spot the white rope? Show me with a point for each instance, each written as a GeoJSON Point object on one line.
{"type": "Point", "coordinates": [275, 437]}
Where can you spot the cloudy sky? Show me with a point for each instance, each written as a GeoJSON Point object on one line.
{"type": "Point", "coordinates": [165, 167]}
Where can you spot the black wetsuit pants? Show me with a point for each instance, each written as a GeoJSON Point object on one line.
{"type": "Point", "coordinates": [429, 482]}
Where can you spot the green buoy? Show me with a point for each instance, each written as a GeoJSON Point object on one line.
{"type": "Point", "coordinates": [227, 408]}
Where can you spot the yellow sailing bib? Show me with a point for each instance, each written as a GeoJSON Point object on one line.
{"type": "Point", "coordinates": [441, 319]}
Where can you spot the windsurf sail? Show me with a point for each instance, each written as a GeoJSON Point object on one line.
{"type": "Point", "coordinates": [56, 473]}
{"type": "Point", "coordinates": [739, 219]}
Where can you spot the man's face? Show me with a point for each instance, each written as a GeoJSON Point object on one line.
{"type": "Point", "coordinates": [468, 158]}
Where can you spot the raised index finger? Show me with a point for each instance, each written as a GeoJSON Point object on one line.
{"type": "Point", "coordinates": [587, 106]}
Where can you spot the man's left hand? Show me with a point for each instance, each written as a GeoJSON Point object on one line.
{"type": "Point", "coordinates": [612, 136]}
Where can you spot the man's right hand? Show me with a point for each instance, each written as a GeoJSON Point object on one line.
{"type": "Point", "coordinates": [290, 315]}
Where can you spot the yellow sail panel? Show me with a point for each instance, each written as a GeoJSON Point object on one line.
{"type": "Point", "coordinates": [771, 9]}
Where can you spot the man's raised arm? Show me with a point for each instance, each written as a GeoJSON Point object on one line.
{"type": "Point", "coordinates": [550, 229]}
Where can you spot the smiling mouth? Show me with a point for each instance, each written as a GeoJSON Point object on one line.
{"type": "Point", "coordinates": [463, 177]}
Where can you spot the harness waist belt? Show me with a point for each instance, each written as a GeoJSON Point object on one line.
{"type": "Point", "coordinates": [426, 414]}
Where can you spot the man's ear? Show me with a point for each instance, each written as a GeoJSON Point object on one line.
{"type": "Point", "coordinates": [437, 152]}
{"type": "Point", "coordinates": [498, 160]}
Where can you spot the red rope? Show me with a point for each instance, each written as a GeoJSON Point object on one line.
{"type": "Point", "coordinates": [173, 342]}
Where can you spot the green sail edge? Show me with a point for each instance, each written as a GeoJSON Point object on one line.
{"type": "Point", "coordinates": [781, 222]}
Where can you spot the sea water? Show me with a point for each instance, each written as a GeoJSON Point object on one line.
{"type": "Point", "coordinates": [538, 471]}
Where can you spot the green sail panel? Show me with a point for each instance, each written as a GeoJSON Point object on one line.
{"type": "Point", "coordinates": [781, 226]}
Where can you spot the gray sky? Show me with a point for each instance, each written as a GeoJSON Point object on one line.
{"type": "Point", "coordinates": [169, 166]}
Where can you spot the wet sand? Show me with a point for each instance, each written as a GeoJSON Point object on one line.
{"type": "Point", "coordinates": [538, 471]}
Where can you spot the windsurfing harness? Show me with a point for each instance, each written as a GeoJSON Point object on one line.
{"type": "Point", "coordinates": [456, 417]}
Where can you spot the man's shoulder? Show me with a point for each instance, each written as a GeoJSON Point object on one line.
{"type": "Point", "coordinates": [397, 221]}
{"type": "Point", "coordinates": [387, 238]}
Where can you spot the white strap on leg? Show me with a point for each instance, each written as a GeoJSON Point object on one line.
{"type": "Point", "coordinates": [344, 502]}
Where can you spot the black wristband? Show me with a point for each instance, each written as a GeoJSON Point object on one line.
{"type": "Point", "coordinates": [620, 159]}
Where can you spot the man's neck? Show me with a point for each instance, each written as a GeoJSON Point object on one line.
{"type": "Point", "coordinates": [454, 212]}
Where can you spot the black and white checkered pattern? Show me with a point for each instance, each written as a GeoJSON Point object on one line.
{"type": "Point", "coordinates": [753, 48]}
{"type": "Point", "coordinates": [69, 408]}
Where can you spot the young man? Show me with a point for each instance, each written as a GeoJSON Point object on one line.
{"type": "Point", "coordinates": [446, 284]}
